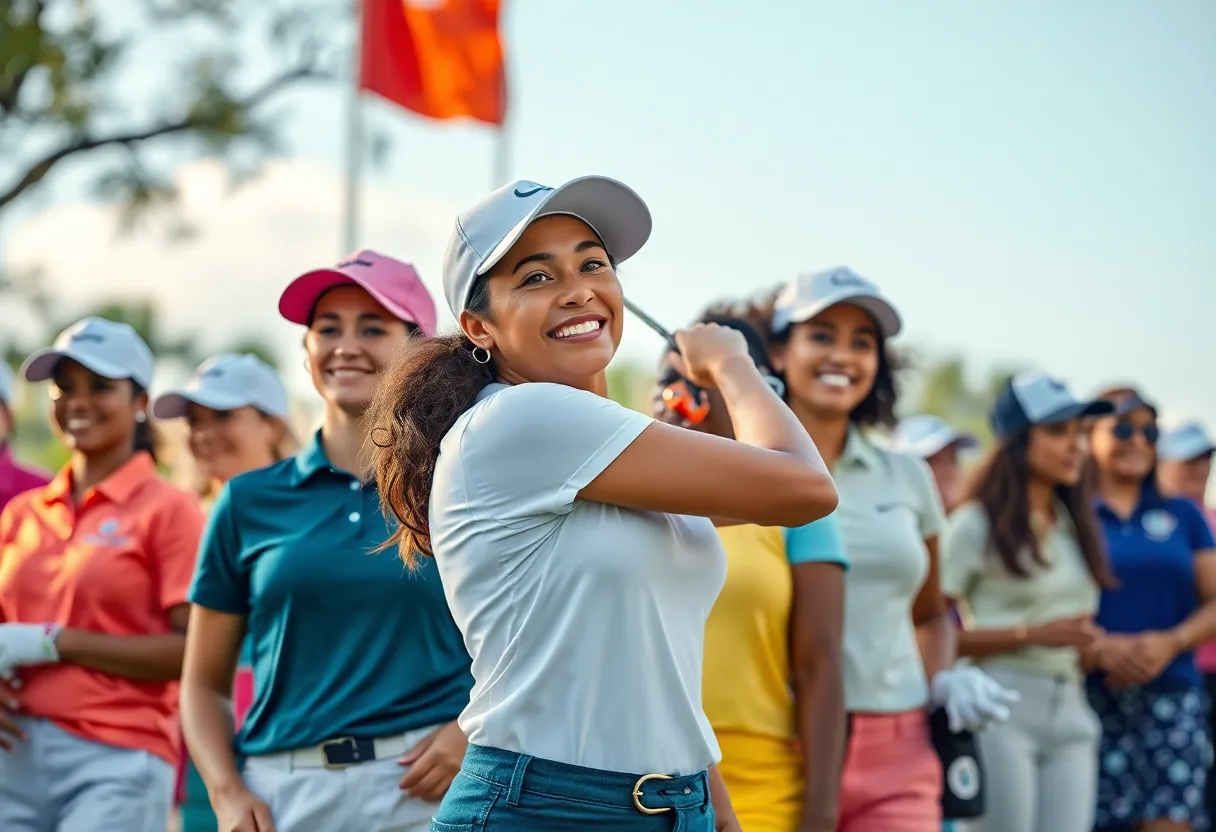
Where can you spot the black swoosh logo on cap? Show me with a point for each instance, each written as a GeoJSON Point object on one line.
{"type": "Point", "coordinates": [534, 191]}
{"type": "Point", "coordinates": [355, 262]}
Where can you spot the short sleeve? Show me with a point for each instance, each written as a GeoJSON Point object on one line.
{"type": "Point", "coordinates": [930, 514]}
{"type": "Point", "coordinates": [219, 582]}
{"type": "Point", "coordinates": [1199, 533]}
{"type": "Point", "coordinates": [173, 538]}
{"type": "Point", "coordinates": [961, 553]}
{"type": "Point", "coordinates": [818, 542]}
{"type": "Point", "coordinates": [529, 449]}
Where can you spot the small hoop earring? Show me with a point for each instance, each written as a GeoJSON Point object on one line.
{"type": "Point", "coordinates": [477, 353]}
{"type": "Point", "coordinates": [307, 365]}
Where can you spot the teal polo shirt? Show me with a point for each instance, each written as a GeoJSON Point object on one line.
{"type": "Point", "coordinates": [345, 642]}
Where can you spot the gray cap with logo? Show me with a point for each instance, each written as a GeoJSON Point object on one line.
{"type": "Point", "coordinates": [485, 232]}
{"type": "Point", "coordinates": [1185, 442]}
{"type": "Point", "coordinates": [227, 381]}
{"type": "Point", "coordinates": [809, 294]}
{"type": "Point", "coordinates": [110, 349]}
{"type": "Point", "coordinates": [925, 435]}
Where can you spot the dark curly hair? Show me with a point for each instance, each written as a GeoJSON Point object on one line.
{"type": "Point", "coordinates": [416, 403]}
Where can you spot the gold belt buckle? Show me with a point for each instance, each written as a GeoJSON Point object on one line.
{"type": "Point", "coordinates": [637, 794]}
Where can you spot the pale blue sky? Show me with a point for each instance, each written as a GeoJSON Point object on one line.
{"type": "Point", "coordinates": [1030, 182]}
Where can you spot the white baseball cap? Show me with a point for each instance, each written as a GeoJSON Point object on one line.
{"type": "Point", "coordinates": [924, 436]}
{"type": "Point", "coordinates": [6, 383]}
{"type": "Point", "coordinates": [485, 232]}
{"type": "Point", "coordinates": [1034, 398]}
{"type": "Point", "coordinates": [112, 350]}
{"type": "Point", "coordinates": [1185, 442]}
{"type": "Point", "coordinates": [807, 295]}
{"type": "Point", "coordinates": [226, 382]}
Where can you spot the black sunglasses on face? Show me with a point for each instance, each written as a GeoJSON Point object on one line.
{"type": "Point", "coordinates": [1123, 431]}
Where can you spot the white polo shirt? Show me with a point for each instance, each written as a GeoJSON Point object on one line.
{"type": "Point", "coordinates": [889, 507]}
{"type": "Point", "coordinates": [585, 621]}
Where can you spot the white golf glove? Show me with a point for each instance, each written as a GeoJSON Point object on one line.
{"type": "Point", "coordinates": [23, 645]}
{"type": "Point", "coordinates": [971, 697]}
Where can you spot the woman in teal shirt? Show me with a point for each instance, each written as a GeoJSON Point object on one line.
{"type": "Point", "coordinates": [359, 670]}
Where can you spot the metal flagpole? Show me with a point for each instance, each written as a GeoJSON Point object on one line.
{"type": "Point", "coordinates": [501, 165]}
{"type": "Point", "coordinates": [354, 142]}
{"type": "Point", "coordinates": [502, 157]}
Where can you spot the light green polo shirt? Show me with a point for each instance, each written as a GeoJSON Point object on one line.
{"type": "Point", "coordinates": [889, 507]}
{"type": "Point", "coordinates": [972, 572]}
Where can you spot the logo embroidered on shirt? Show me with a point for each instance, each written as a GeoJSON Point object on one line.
{"type": "Point", "coordinates": [883, 508]}
{"type": "Point", "coordinates": [108, 534]}
{"type": "Point", "coordinates": [1159, 524]}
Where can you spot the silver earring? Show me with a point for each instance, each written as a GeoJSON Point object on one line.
{"type": "Point", "coordinates": [140, 416]}
{"type": "Point", "coordinates": [307, 365]}
{"type": "Point", "coordinates": [478, 352]}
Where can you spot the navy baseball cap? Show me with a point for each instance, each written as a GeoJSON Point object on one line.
{"type": "Point", "coordinates": [1033, 398]}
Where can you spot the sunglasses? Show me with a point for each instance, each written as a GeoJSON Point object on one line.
{"type": "Point", "coordinates": [1124, 431]}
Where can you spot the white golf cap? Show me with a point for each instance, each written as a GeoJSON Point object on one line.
{"type": "Point", "coordinates": [485, 232]}
{"type": "Point", "coordinates": [110, 349]}
{"type": "Point", "coordinates": [6, 383]}
{"type": "Point", "coordinates": [226, 382]}
{"type": "Point", "coordinates": [924, 436]}
{"type": "Point", "coordinates": [1034, 398]}
{"type": "Point", "coordinates": [1185, 442]}
{"type": "Point", "coordinates": [807, 295]}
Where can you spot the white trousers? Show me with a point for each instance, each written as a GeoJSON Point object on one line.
{"type": "Point", "coordinates": [361, 798]}
{"type": "Point", "coordinates": [57, 782]}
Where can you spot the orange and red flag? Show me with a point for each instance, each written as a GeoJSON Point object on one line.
{"type": "Point", "coordinates": [440, 58]}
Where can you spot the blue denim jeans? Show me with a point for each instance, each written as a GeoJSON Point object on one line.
{"type": "Point", "coordinates": [501, 791]}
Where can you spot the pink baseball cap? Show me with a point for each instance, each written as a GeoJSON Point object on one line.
{"type": "Point", "coordinates": [394, 284]}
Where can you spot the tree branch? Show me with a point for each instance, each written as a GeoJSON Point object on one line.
{"type": "Point", "coordinates": [38, 170]}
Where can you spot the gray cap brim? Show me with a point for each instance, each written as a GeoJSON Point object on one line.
{"type": "Point", "coordinates": [613, 210]}
{"type": "Point", "coordinates": [41, 366]}
{"type": "Point", "coordinates": [945, 439]}
{"type": "Point", "coordinates": [175, 405]}
{"type": "Point", "coordinates": [883, 313]}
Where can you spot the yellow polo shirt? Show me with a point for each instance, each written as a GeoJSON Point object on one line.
{"type": "Point", "coordinates": [747, 691]}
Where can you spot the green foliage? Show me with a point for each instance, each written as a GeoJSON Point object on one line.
{"type": "Point", "coordinates": [945, 391]}
{"type": "Point", "coordinates": [63, 63]}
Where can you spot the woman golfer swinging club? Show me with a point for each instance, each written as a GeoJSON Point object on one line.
{"type": "Point", "coordinates": [571, 533]}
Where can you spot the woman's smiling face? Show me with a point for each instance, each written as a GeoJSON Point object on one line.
{"type": "Point", "coordinates": [555, 306]}
{"type": "Point", "coordinates": [831, 361]}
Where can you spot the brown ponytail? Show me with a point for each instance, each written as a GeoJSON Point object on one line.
{"type": "Point", "coordinates": [416, 403]}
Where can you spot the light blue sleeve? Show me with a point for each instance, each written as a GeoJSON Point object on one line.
{"type": "Point", "coordinates": [529, 449]}
{"type": "Point", "coordinates": [818, 542]}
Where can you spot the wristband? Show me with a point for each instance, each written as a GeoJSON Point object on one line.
{"type": "Point", "coordinates": [50, 633]}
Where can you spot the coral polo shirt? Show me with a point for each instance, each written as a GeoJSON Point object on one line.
{"type": "Point", "coordinates": [115, 563]}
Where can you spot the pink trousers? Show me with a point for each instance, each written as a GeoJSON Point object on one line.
{"type": "Point", "coordinates": [892, 779]}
